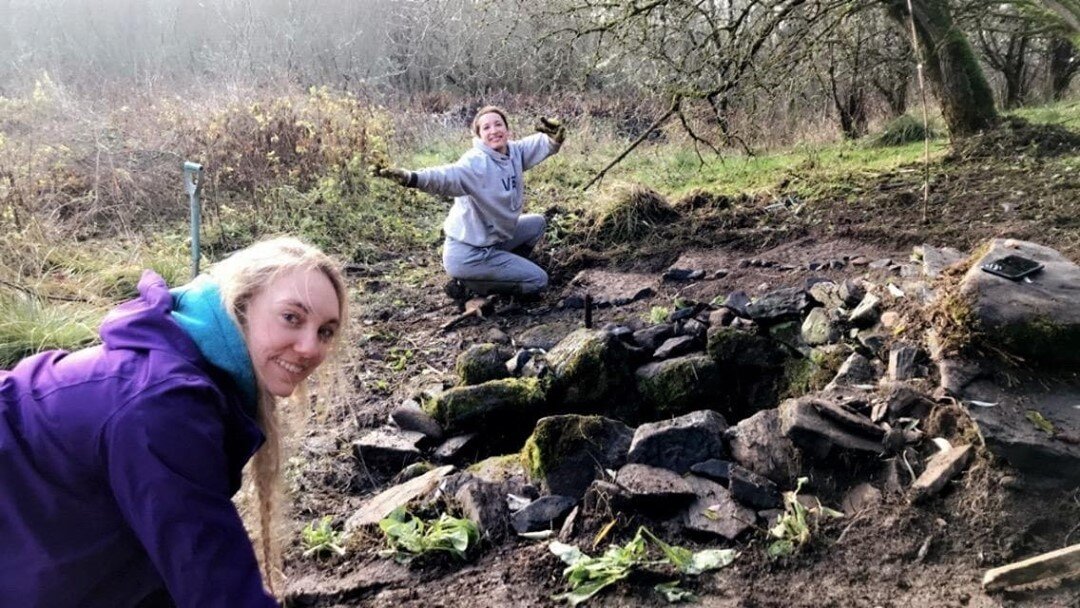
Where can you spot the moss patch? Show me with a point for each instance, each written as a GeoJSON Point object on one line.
{"type": "Point", "coordinates": [729, 345]}
{"type": "Point", "coordinates": [482, 362]}
{"type": "Point", "coordinates": [811, 374]}
{"type": "Point", "coordinates": [471, 407]}
{"type": "Point", "coordinates": [1039, 339]}
{"type": "Point", "coordinates": [587, 368]}
{"type": "Point", "coordinates": [678, 386]}
{"type": "Point", "coordinates": [557, 440]}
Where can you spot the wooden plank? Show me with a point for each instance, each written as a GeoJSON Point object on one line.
{"type": "Point", "coordinates": [1061, 563]}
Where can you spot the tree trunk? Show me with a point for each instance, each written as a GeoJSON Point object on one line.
{"type": "Point", "coordinates": [967, 102]}
{"type": "Point", "coordinates": [1064, 63]}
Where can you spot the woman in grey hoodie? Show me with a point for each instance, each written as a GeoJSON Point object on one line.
{"type": "Point", "coordinates": [488, 239]}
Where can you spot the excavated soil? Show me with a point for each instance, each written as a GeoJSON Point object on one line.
{"type": "Point", "coordinates": [895, 554]}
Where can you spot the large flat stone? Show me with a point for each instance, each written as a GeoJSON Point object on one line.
{"type": "Point", "coordinates": [1011, 435]}
{"type": "Point", "coordinates": [714, 511]}
{"type": "Point", "coordinates": [1037, 318]}
{"type": "Point", "coordinates": [379, 506]}
{"type": "Point", "coordinates": [801, 422]}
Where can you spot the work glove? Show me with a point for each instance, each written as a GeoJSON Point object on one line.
{"type": "Point", "coordinates": [553, 128]}
{"type": "Point", "coordinates": [401, 176]}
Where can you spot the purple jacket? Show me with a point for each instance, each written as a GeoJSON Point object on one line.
{"type": "Point", "coordinates": [117, 464]}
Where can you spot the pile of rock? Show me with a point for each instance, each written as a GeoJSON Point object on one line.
{"type": "Point", "coordinates": [811, 377]}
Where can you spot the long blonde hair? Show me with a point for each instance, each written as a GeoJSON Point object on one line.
{"type": "Point", "coordinates": [240, 277]}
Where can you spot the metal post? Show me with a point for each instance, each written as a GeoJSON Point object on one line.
{"type": "Point", "coordinates": [193, 179]}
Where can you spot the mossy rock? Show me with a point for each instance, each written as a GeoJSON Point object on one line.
{"type": "Point", "coordinates": [810, 374]}
{"type": "Point", "coordinates": [587, 368]}
{"type": "Point", "coordinates": [728, 345]}
{"type": "Point", "coordinates": [471, 408]}
{"type": "Point", "coordinates": [677, 386]}
{"type": "Point", "coordinates": [497, 469]}
{"type": "Point", "coordinates": [482, 362]}
{"type": "Point", "coordinates": [566, 453]}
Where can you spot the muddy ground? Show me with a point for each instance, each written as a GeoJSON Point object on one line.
{"type": "Point", "coordinates": [892, 555]}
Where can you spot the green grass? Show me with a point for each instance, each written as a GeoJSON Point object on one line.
{"type": "Point", "coordinates": [1064, 113]}
{"type": "Point", "coordinates": [29, 326]}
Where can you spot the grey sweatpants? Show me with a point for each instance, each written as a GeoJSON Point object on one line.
{"type": "Point", "coordinates": [500, 268]}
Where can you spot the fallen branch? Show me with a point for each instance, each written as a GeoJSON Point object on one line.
{"type": "Point", "coordinates": [675, 103]}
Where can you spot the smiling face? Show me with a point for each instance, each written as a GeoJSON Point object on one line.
{"type": "Point", "coordinates": [290, 325]}
{"type": "Point", "coordinates": [492, 130]}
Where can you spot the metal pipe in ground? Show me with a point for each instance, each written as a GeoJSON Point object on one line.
{"type": "Point", "coordinates": [193, 179]}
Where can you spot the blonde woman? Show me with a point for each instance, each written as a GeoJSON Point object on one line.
{"type": "Point", "coordinates": [118, 462]}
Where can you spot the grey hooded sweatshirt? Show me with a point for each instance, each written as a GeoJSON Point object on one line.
{"type": "Point", "coordinates": [487, 187]}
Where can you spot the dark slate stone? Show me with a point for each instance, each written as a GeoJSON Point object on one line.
{"type": "Point", "coordinates": [675, 347]}
{"type": "Point", "coordinates": [695, 329]}
{"type": "Point", "coordinates": [801, 422]}
{"type": "Point", "coordinates": [737, 301]}
{"type": "Point", "coordinates": [752, 490]}
{"type": "Point", "coordinates": [484, 503]}
{"type": "Point", "coordinates": [640, 294]}
{"type": "Point", "coordinates": [776, 305]}
{"type": "Point", "coordinates": [410, 417]}
{"type": "Point", "coordinates": [902, 361]}
{"type": "Point", "coordinates": [676, 275]}
{"type": "Point", "coordinates": [454, 448]}
{"type": "Point", "coordinates": [714, 511]}
{"type": "Point", "coordinates": [713, 468]}
{"type": "Point", "coordinates": [856, 369]}
{"type": "Point", "coordinates": [388, 451]}
{"type": "Point", "coordinates": [758, 444]}
{"type": "Point", "coordinates": [544, 513]}
{"type": "Point", "coordinates": [873, 340]}
{"type": "Point", "coordinates": [682, 313]}
{"type": "Point", "coordinates": [654, 489]}
{"type": "Point", "coordinates": [852, 292]}
{"type": "Point", "coordinates": [573, 301]}
{"type": "Point", "coordinates": [652, 337]}
{"type": "Point", "coordinates": [867, 312]}
{"type": "Point", "coordinates": [679, 443]}
{"type": "Point", "coordinates": [622, 332]}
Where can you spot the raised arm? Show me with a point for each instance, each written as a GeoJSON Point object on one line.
{"type": "Point", "coordinates": [549, 136]}
{"type": "Point", "coordinates": [456, 179]}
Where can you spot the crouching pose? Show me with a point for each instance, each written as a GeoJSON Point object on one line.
{"type": "Point", "coordinates": [488, 239]}
{"type": "Point", "coordinates": [118, 462]}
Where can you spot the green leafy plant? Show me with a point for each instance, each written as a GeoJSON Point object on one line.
{"type": "Point", "coordinates": [320, 538]}
{"type": "Point", "coordinates": [1040, 421]}
{"type": "Point", "coordinates": [409, 536]}
{"type": "Point", "coordinates": [588, 576]}
{"type": "Point", "coordinates": [658, 314]}
{"type": "Point", "coordinates": [797, 525]}
{"type": "Point", "coordinates": [399, 358]}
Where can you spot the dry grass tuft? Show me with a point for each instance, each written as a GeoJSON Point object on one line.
{"type": "Point", "coordinates": [629, 214]}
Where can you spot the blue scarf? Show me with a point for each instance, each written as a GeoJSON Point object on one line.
{"type": "Point", "coordinates": [198, 308]}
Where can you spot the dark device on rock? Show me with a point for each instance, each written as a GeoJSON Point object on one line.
{"type": "Point", "coordinates": [1012, 267]}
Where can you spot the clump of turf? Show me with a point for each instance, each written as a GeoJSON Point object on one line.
{"type": "Point", "coordinates": [903, 130]}
{"type": "Point", "coordinates": [628, 214]}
